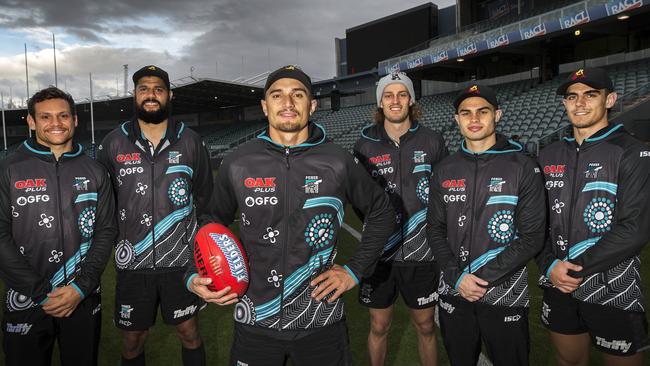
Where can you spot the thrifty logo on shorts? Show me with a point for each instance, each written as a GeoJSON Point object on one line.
{"type": "Point", "coordinates": [19, 328]}
{"type": "Point", "coordinates": [429, 299]}
{"type": "Point", "coordinates": [187, 311]}
{"type": "Point", "coordinates": [615, 345]}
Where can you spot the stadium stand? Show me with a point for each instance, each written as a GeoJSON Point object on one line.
{"type": "Point", "coordinates": [532, 111]}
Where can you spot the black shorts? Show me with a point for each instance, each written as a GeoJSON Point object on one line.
{"type": "Point", "coordinates": [612, 330]}
{"type": "Point", "coordinates": [328, 346]}
{"type": "Point", "coordinates": [503, 330]}
{"type": "Point", "coordinates": [418, 285]}
{"type": "Point", "coordinates": [138, 295]}
{"type": "Point", "coordinates": [29, 335]}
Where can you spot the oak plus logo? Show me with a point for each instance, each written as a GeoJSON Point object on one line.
{"type": "Point", "coordinates": [554, 176]}
{"type": "Point", "coordinates": [382, 165]}
{"type": "Point", "coordinates": [453, 186]}
{"type": "Point", "coordinates": [129, 158]}
{"type": "Point", "coordinates": [32, 185]}
{"type": "Point", "coordinates": [261, 185]}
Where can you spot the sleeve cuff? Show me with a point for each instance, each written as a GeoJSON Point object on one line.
{"type": "Point", "coordinates": [354, 277]}
{"type": "Point", "coordinates": [460, 278]}
{"type": "Point", "coordinates": [81, 293]}
{"type": "Point", "coordinates": [548, 271]}
{"type": "Point", "coordinates": [44, 301]}
{"type": "Point", "coordinates": [189, 279]}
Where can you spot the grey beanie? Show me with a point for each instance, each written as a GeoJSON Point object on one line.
{"type": "Point", "coordinates": [395, 78]}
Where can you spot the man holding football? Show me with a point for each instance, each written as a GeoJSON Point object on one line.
{"type": "Point", "coordinates": [289, 227]}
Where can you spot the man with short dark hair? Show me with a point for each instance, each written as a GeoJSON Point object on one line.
{"type": "Point", "coordinates": [486, 220]}
{"type": "Point", "coordinates": [57, 226]}
{"type": "Point", "coordinates": [163, 181]}
{"type": "Point", "coordinates": [399, 152]}
{"type": "Point", "coordinates": [598, 196]}
{"type": "Point", "coordinates": [289, 228]}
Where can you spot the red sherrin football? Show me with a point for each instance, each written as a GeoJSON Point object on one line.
{"type": "Point", "coordinates": [219, 255]}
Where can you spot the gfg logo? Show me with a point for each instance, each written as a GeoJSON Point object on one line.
{"type": "Point", "coordinates": [261, 201]}
{"type": "Point", "coordinates": [454, 198]}
{"type": "Point", "coordinates": [129, 171]}
{"type": "Point", "coordinates": [554, 184]}
{"type": "Point", "coordinates": [22, 201]}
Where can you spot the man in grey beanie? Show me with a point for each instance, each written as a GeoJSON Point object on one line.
{"type": "Point", "coordinates": [399, 153]}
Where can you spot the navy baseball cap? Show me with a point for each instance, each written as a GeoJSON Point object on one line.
{"type": "Point", "coordinates": [290, 72]}
{"type": "Point", "coordinates": [151, 70]}
{"type": "Point", "coordinates": [476, 90]}
{"type": "Point", "coordinates": [594, 77]}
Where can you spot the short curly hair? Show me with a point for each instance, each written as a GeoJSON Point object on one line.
{"type": "Point", "coordinates": [47, 94]}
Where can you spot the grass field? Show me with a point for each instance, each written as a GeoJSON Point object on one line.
{"type": "Point", "coordinates": [216, 325]}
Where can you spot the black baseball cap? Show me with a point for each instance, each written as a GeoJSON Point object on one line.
{"type": "Point", "coordinates": [475, 90]}
{"type": "Point", "coordinates": [291, 72]}
{"type": "Point", "coordinates": [151, 70]}
{"type": "Point", "coordinates": [594, 77]}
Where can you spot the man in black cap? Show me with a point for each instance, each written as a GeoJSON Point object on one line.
{"type": "Point", "coordinates": [485, 221]}
{"type": "Point", "coordinates": [292, 209]}
{"type": "Point", "coordinates": [598, 196]}
{"type": "Point", "coordinates": [163, 182]}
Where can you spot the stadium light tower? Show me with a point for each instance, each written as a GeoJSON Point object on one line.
{"type": "Point", "coordinates": [126, 78]}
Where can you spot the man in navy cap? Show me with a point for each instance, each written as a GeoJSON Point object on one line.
{"type": "Point", "coordinates": [289, 227]}
{"type": "Point", "coordinates": [163, 182]}
{"type": "Point", "coordinates": [597, 182]}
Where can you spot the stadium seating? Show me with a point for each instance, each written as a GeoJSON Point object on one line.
{"type": "Point", "coordinates": [530, 110]}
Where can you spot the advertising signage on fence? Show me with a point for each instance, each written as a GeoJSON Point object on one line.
{"type": "Point", "coordinates": [439, 57]}
{"type": "Point", "coordinates": [615, 7]}
{"type": "Point", "coordinates": [532, 32]}
{"type": "Point", "coordinates": [576, 19]}
{"type": "Point", "coordinates": [499, 40]}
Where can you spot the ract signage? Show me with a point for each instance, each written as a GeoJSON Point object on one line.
{"type": "Point", "coordinates": [498, 41]}
{"type": "Point", "coordinates": [536, 31]}
{"type": "Point", "coordinates": [442, 56]}
{"type": "Point", "coordinates": [577, 19]}
{"type": "Point", "coordinates": [415, 63]}
{"type": "Point", "coordinates": [620, 6]}
{"type": "Point", "coordinates": [467, 49]}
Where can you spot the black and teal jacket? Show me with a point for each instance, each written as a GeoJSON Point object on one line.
{"type": "Point", "coordinates": [160, 193]}
{"type": "Point", "coordinates": [57, 223]}
{"type": "Point", "coordinates": [291, 201]}
{"type": "Point", "coordinates": [403, 170]}
{"type": "Point", "coordinates": [487, 215]}
{"type": "Point", "coordinates": [598, 197]}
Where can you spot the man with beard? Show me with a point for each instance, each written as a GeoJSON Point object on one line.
{"type": "Point", "coordinates": [57, 227]}
{"type": "Point", "coordinates": [399, 152]}
{"type": "Point", "coordinates": [486, 220]}
{"type": "Point", "coordinates": [163, 182]}
{"type": "Point", "coordinates": [598, 195]}
{"type": "Point", "coordinates": [291, 185]}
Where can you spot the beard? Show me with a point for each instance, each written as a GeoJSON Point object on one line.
{"type": "Point", "coordinates": [155, 117]}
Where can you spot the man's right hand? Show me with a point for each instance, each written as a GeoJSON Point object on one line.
{"type": "Point", "coordinates": [472, 288]}
{"type": "Point", "coordinates": [560, 278]}
{"type": "Point", "coordinates": [199, 285]}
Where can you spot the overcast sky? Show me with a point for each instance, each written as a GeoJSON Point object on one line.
{"type": "Point", "coordinates": [213, 37]}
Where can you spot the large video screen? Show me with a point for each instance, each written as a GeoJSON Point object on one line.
{"type": "Point", "coordinates": [372, 42]}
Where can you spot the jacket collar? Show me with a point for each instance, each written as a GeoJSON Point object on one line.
{"type": "Point", "coordinates": [132, 130]}
{"type": "Point", "coordinates": [601, 135]}
{"type": "Point", "coordinates": [33, 148]}
{"type": "Point", "coordinates": [377, 133]}
{"type": "Point", "coordinates": [502, 146]}
{"type": "Point", "coordinates": [317, 136]}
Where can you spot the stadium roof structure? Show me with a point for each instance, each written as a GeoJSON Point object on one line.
{"type": "Point", "coordinates": [194, 96]}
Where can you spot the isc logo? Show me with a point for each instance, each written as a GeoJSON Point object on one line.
{"type": "Point", "coordinates": [512, 318]}
{"type": "Point", "coordinates": [644, 154]}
